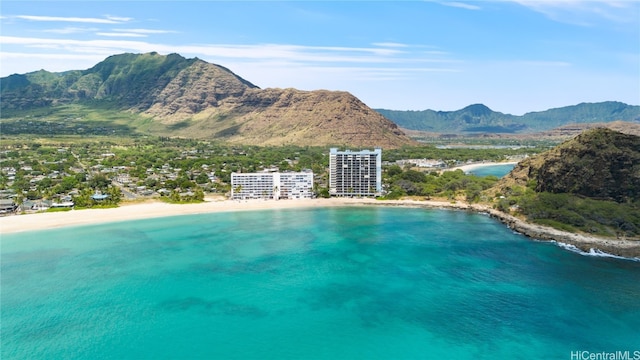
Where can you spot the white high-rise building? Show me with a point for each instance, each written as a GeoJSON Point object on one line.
{"type": "Point", "coordinates": [288, 185]}
{"type": "Point", "coordinates": [355, 173]}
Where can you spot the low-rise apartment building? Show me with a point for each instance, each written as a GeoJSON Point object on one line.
{"type": "Point", "coordinates": [272, 185]}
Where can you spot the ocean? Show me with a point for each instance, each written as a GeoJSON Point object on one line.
{"type": "Point", "coordinates": [319, 283]}
{"type": "Point", "coordinates": [498, 170]}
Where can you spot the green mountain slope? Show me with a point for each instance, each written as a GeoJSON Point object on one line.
{"type": "Point", "coordinates": [479, 118]}
{"type": "Point", "coordinates": [125, 81]}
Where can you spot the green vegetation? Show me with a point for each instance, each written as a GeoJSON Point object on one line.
{"type": "Point", "coordinates": [600, 163]}
{"type": "Point", "coordinates": [459, 154]}
{"type": "Point", "coordinates": [184, 198]}
{"type": "Point", "coordinates": [59, 209]}
{"type": "Point", "coordinates": [574, 213]}
{"type": "Point", "coordinates": [124, 81]}
{"type": "Point", "coordinates": [182, 170]}
{"type": "Point", "coordinates": [449, 184]}
{"type": "Point", "coordinates": [71, 168]}
{"type": "Point", "coordinates": [590, 183]}
{"type": "Point", "coordinates": [95, 119]}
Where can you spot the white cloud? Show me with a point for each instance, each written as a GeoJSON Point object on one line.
{"type": "Point", "coordinates": [119, 19]}
{"type": "Point", "coordinates": [58, 56]}
{"type": "Point", "coordinates": [146, 31]}
{"type": "Point", "coordinates": [543, 63]}
{"type": "Point", "coordinates": [257, 51]}
{"type": "Point", "coordinates": [106, 20]}
{"type": "Point", "coordinates": [121, 34]}
{"type": "Point", "coordinates": [70, 30]}
{"type": "Point", "coordinates": [55, 62]}
{"type": "Point", "coordinates": [408, 58]}
{"type": "Point", "coordinates": [585, 12]}
{"type": "Point", "coordinates": [390, 44]}
{"type": "Point", "coordinates": [461, 5]}
{"type": "Point", "coordinates": [132, 33]}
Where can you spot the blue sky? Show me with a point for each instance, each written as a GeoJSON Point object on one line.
{"type": "Point", "coordinates": [513, 56]}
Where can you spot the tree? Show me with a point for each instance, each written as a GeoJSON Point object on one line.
{"type": "Point", "coordinates": [45, 184]}
{"type": "Point", "coordinates": [83, 199]}
{"type": "Point", "coordinates": [99, 182]}
{"type": "Point", "coordinates": [414, 176]}
{"type": "Point", "coordinates": [33, 195]}
{"type": "Point", "coordinates": [202, 178]}
{"type": "Point", "coordinates": [198, 194]}
{"type": "Point", "coordinates": [81, 177]}
{"type": "Point", "coordinates": [68, 183]}
{"type": "Point", "coordinates": [115, 195]}
{"type": "Point", "coordinates": [394, 170]}
{"type": "Point", "coordinates": [473, 192]}
{"type": "Point", "coordinates": [323, 192]}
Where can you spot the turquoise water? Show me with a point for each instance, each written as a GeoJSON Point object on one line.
{"type": "Point", "coordinates": [329, 283]}
{"type": "Point", "coordinates": [495, 170]}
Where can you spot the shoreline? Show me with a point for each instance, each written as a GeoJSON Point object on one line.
{"type": "Point", "coordinates": [155, 209]}
{"type": "Point", "coordinates": [474, 166]}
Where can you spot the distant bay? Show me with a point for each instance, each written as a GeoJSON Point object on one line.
{"type": "Point", "coordinates": [323, 283]}
{"type": "Point", "coordinates": [497, 170]}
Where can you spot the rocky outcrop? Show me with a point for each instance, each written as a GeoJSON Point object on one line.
{"type": "Point", "coordinates": [586, 243]}
{"type": "Point", "coordinates": [196, 88]}
{"type": "Point", "coordinates": [599, 163]}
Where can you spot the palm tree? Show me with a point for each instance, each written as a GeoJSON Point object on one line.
{"type": "Point", "coordinates": [237, 190]}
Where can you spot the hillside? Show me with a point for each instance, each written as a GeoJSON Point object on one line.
{"type": "Point", "coordinates": [598, 163]}
{"type": "Point", "coordinates": [479, 118]}
{"type": "Point", "coordinates": [590, 184]}
{"type": "Point", "coordinates": [173, 96]}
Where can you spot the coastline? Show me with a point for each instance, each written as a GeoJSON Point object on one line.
{"type": "Point", "coordinates": [154, 209]}
{"type": "Point", "coordinates": [470, 167]}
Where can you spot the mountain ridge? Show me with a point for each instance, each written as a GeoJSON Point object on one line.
{"type": "Point", "coordinates": [478, 118]}
{"type": "Point", "coordinates": [174, 96]}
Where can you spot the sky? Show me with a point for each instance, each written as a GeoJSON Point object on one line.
{"type": "Point", "coordinates": [515, 56]}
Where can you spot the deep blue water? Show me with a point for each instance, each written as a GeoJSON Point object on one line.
{"type": "Point", "coordinates": [495, 170]}
{"type": "Point", "coordinates": [328, 283]}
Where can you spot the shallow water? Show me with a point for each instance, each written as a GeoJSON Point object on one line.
{"type": "Point", "coordinates": [499, 170]}
{"type": "Point", "coordinates": [329, 283]}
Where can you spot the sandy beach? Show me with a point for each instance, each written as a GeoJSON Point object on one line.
{"type": "Point", "coordinates": [475, 166]}
{"type": "Point", "coordinates": [154, 209]}
{"type": "Point", "coordinates": [144, 210]}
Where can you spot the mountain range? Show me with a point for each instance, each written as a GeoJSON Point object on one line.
{"type": "Point", "coordinates": [478, 118]}
{"type": "Point", "coordinates": [169, 95]}
{"type": "Point", "coordinates": [174, 96]}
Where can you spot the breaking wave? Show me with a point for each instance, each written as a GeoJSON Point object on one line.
{"type": "Point", "coordinates": [593, 252]}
